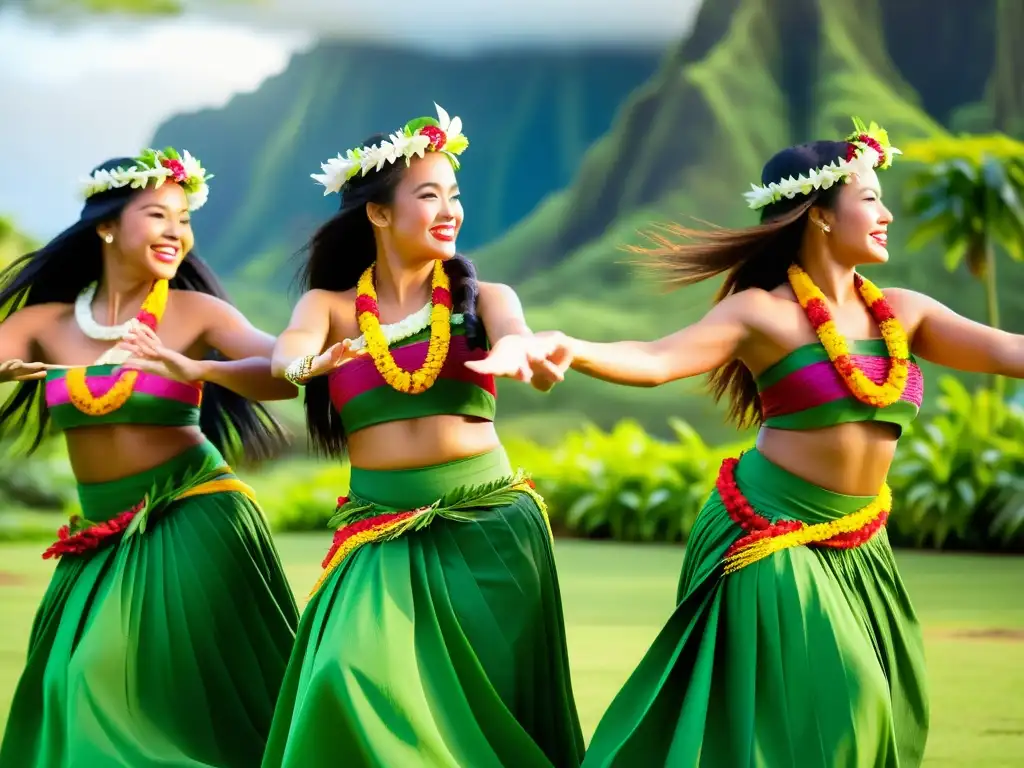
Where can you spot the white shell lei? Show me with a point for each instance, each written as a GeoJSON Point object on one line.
{"type": "Point", "coordinates": [408, 326]}
{"type": "Point", "coordinates": [92, 329]}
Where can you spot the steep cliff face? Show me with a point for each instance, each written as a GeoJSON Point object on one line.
{"type": "Point", "coordinates": [529, 118]}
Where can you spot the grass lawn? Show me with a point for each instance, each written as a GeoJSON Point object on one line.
{"type": "Point", "coordinates": [616, 597]}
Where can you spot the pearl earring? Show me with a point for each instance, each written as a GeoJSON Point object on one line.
{"type": "Point", "coordinates": [108, 238]}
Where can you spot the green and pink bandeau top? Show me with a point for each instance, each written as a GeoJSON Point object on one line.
{"type": "Point", "coordinates": [805, 391]}
{"type": "Point", "coordinates": [154, 401]}
{"type": "Point", "coordinates": [363, 399]}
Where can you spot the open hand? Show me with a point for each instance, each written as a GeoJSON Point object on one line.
{"type": "Point", "coordinates": [508, 359]}
{"type": "Point", "coordinates": [335, 356]}
{"type": "Point", "coordinates": [550, 357]}
{"type": "Point", "coordinates": [19, 370]}
{"type": "Point", "coordinates": [149, 354]}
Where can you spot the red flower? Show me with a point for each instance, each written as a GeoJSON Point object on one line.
{"type": "Point", "coordinates": [852, 149]}
{"type": "Point", "coordinates": [89, 538]}
{"type": "Point", "coordinates": [178, 172]}
{"type": "Point", "coordinates": [367, 304]}
{"type": "Point", "coordinates": [817, 313]}
{"type": "Point", "coordinates": [442, 297]}
{"type": "Point", "coordinates": [436, 135]}
{"type": "Point", "coordinates": [342, 501]}
{"type": "Point", "coordinates": [881, 311]}
{"type": "Point", "coordinates": [147, 319]}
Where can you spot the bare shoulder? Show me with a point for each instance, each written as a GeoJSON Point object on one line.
{"type": "Point", "coordinates": [497, 292]}
{"type": "Point", "coordinates": [753, 303]}
{"type": "Point", "coordinates": [909, 306]}
{"type": "Point", "coordinates": [39, 315]}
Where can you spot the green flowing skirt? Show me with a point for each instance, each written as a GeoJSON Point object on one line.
{"type": "Point", "coordinates": [809, 658]}
{"type": "Point", "coordinates": [163, 647]}
{"type": "Point", "coordinates": [444, 647]}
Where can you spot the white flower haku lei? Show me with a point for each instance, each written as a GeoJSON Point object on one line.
{"type": "Point", "coordinates": [408, 326]}
{"type": "Point", "coordinates": [413, 140]}
{"type": "Point", "coordinates": [866, 158]}
{"type": "Point", "coordinates": [157, 166]}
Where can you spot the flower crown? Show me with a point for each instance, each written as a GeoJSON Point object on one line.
{"type": "Point", "coordinates": [158, 166]}
{"type": "Point", "coordinates": [415, 138]}
{"type": "Point", "coordinates": [867, 147]}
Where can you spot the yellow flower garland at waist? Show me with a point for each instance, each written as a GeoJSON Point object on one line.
{"type": "Point", "coordinates": [368, 316]}
{"type": "Point", "coordinates": [82, 398]}
{"type": "Point", "coordinates": [812, 300]}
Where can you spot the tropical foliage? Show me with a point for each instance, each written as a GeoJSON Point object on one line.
{"type": "Point", "coordinates": [970, 195]}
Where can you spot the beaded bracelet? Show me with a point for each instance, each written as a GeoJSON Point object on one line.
{"type": "Point", "coordinates": [298, 370]}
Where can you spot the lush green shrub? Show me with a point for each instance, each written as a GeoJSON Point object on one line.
{"type": "Point", "coordinates": [624, 484]}
{"type": "Point", "coordinates": [300, 495]}
{"type": "Point", "coordinates": [958, 478]}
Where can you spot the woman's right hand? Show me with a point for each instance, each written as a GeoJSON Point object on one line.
{"type": "Point", "coordinates": [334, 357]}
{"type": "Point", "coordinates": [19, 370]}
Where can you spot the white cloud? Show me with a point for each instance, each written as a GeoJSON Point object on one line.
{"type": "Point", "coordinates": [81, 91]}
{"type": "Point", "coordinates": [463, 26]}
{"type": "Point", "coordinates": [78, 95]}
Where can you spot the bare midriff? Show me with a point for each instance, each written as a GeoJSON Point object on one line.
{"type": "Point", "coordinates": [109, 452]}
{"type": "Point", "coordinates": [421, 442]}
{"type": "Point", "coordinates": [851, 459]}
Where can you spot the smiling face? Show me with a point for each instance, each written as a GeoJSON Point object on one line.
{"type": "Point", "coordinates": [859, 222]}
{"type": "Point", "coordinates": [424, 218]}
{"type": "Point", "coordinates": [153, 233]}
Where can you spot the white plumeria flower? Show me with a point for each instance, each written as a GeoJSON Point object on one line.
{"type": "Point", "coordinates": [450, 126]}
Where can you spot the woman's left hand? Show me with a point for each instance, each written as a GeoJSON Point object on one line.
{"type": "Point", "coordinates": [149, 354]}
{"type": "Point", "coordinates": [508, 358]}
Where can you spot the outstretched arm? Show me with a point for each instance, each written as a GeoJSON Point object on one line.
{"type": "Point", "coordinates": [943, 337]}
{"type": "Point", "coordinates": [225, 329]}
{"type": "Point", "coordinates": [513, 346]}
{"type": "Point", "coordinates": [301, 346]}
{"type": "Point", "coordinates": [17, 334]}
{"type": "Point", "coordinates": [709, 343]}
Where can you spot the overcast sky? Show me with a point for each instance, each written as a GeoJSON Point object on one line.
{"type": "Point", "coordinates": [77, 93]}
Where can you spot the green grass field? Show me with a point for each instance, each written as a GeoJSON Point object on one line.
{"type": "Point", "coordinates": [616, 597]}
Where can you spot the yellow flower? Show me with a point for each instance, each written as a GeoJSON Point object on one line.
{"type": "Point", "coordinates": [862, 387]}
{"type": "Point", "coordinates": [410, 382]}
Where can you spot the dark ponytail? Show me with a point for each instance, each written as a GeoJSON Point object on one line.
{"type": "Point", "coordinates": [338, 253]}
{"type": "Point", "coordinates": [751, 257]}
{"type": "Point", "coordinates": [242, 430]}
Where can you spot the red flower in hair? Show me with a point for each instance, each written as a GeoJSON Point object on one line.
{"type": "Point", "coordinates": [852, 149]}
{"type": "Point", "coordinates": [178, 172]}
{"type": "Point", "coordinates": [436, 135]}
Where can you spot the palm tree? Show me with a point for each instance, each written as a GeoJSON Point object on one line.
{"type": "Point", "coordinates": [971, 196]}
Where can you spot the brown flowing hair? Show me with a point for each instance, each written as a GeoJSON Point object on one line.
{"type": "Point", "coordinates": [751, 257]}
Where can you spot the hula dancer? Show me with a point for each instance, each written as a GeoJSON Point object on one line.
{"type": "Point", "coordinates": [435, 634]}
{"type": "Point", "coordinates": [164, 634]}
{"type": "Point", "coordinates": [794, 642]}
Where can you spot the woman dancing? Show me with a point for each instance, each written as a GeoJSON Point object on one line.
{"type": "Point", "coordinates": [435, 635]}
{"type": "Point", "coordinates": [164, 634]}
{"type": "Point", "coordinates": [794, 642]}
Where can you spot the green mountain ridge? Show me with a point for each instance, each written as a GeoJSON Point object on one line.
{"type": "Point", "coordinates": [752, 77]}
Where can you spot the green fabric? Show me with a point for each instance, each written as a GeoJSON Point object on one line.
{"type": "Point", "coordinates": [163, 648]}
{"type": "Point", "coordinates": [140, 409]}
{"type": "Point", "coordinates": [385, 404]}
{"type": "Point", "coordinates": [443, 648]}
{"type": "Point", "coordinates": [811, 658]}
{"type": "Point", "coordinates": [846, 411]}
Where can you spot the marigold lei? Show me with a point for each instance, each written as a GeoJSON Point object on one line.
{"type": "Point", "coordinates": [157, 166]}
{"type": "Point", "coordinates": [864, 389]}
{"type": "Point", "coordinates": [117, 395]}
{"type": "Point", "coordinates": [867, 148]}
{"type": "Point", "coordinates": [415, 138]}
{"type": "Point", "coordinates": [368, 316]}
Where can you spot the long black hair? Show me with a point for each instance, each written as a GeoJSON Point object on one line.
{"type": "Point", "coordinates": [751, 257]}
{"type": "Point", "coordinates": [57, 272]}
{"type": "Point", "coordinates": [338, 253]}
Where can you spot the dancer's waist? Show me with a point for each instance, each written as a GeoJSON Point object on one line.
{"type": "Point", "coordinates": [100, 501]}
{"type": "Point", "coordinates": [412, 488]}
